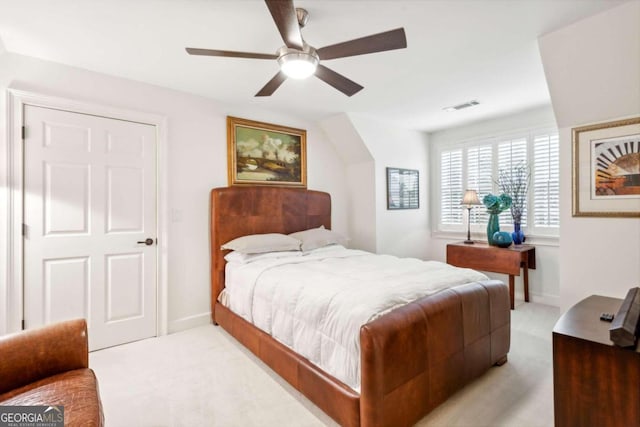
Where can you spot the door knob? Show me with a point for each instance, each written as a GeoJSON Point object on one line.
{"type": "Point", "coordinates": [147, 242]}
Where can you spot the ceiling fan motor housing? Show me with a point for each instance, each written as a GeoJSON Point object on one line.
{"type": "Point", "coordinates": [298, 64]}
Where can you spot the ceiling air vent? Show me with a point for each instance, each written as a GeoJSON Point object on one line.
{"type": "Point", "coordinates": [462, 106]}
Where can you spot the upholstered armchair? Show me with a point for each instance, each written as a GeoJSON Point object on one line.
{"type": "Point", "coordinates": [50, 366]}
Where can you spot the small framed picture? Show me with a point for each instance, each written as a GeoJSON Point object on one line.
{"type": "Point", "coordinates": [403, 189]}
{"type": "Point", "coordinates": [266, 154]}
{"type": "Point", "coordinates": [606, 169]}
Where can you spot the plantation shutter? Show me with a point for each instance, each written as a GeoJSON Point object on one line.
{"type": "Point", "coordinates": [451, 187]}
{"type": "Point", "coordinates": [545, 180]}
{"type": "Point", "coordinates": [512, 153]}
{"type": "Point", "coordinates": [475, 165]}
{"type": "Point", "coordinates": [479, 174]}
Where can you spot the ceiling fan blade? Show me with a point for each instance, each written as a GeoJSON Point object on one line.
{"type": "Point", "coordinates": [338, 81]}
{"type": "Point", "coordinates": [284, 15]}
{"type": "Point", "coordinates": [389, 40]}
{"type": "Point", "coordinates": [272, 84]}
{"type": "Point", "coordinates": [229, 53]}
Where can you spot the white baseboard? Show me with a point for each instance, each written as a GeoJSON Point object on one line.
{"type": "Point", "coordinates": [553, 300]}
{"type": "Point", "coordinates": [190, 322]}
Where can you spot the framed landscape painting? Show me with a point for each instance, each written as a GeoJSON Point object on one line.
{"type": "Point", "coordinates": [266, 154]}
{"type": "Point", "coordinates": [606, 169]}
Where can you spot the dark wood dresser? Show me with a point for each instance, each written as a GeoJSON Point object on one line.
{"type": "Point", "coordinates": [595, 383]}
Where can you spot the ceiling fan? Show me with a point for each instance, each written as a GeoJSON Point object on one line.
{"type": "Point", "coordinates": [297, 59]}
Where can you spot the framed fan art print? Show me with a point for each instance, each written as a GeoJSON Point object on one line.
{"type": "Point", "coordinates": [606, 169]}
{"type": "Point", "coordinates": [266, 154]}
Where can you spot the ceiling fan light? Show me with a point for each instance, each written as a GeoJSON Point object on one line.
{"type": "Point", "coordinates": [298, 65]}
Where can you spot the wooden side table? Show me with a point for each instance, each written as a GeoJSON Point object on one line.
{"type": "Point", "coordinates": [481, 256]}
{"type": "Point", "coordinates": [595, 383]}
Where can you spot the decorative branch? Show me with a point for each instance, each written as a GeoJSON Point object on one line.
{"type": "Point", "coordinates": [515, 183]}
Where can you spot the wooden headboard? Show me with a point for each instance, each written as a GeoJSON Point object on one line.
{"type": "Point", "coordinates": [239, 211]}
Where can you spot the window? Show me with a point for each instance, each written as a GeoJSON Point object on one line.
{"type": "Point", "coordinates": [512, 153]}
{"type": "Point", "coordinates": [475, 165]}
{"type": "Point", "coordinates": [479, 161]}
{"type": "Point", "coordinates": [451, 187]}
{"type": "Point", "coordinates": [545, 181]}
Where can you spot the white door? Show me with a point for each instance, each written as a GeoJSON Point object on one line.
{"type": "Point", "coordinates": [89, 202]}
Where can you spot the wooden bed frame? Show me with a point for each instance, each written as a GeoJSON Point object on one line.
{"type": "Point", "coordinates": [412, 359]}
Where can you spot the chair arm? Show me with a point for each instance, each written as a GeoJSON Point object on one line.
{"type": "Point", "coordinates": [35, 354]}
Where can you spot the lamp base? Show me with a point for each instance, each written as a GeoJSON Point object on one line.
{"type": "Point", "coordinates": [469, 242]}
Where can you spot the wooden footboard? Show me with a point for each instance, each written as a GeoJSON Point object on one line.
{"type": "Point", "coordinates": [415, 357]}
{"type": "Point", "coordinates": [334, 397]}
{"type": "Point", "coordinates": [412, 359]}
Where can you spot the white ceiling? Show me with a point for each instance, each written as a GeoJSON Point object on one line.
{"type": "Point", "coordinates": [457, 51]}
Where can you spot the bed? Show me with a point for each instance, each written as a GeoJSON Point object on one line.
{"type": "Point", "coordinates": [411, 359]}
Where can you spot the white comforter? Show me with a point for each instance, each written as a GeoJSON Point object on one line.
{"type": "Point", "coordinates": [316, 303]}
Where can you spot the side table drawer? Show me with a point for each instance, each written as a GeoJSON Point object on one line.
{"type": "Point", "coordinates": [485, 259]}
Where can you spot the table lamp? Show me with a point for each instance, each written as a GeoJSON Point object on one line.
{"type": "Point", "coordinates": [470, 200]}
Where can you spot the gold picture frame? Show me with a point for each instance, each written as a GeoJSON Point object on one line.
{"type": "Point", "coordinates": [606, 169]}
{"type": "Point", "coordinates": [266, 154]}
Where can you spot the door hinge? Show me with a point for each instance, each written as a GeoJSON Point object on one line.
{"type": "Point", "coordinates": [24, 132]}
{"type": "Point", "coordinates": [24, 230]}
{"type": "Point", "coordinates": [23, 325]}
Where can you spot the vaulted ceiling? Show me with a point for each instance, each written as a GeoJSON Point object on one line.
{"type": "Point", "coordinates": [483, 50]}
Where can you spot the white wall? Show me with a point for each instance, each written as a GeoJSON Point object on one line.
{"type": "Point", "coordinates": [398, 232]}
{"type": "Point", "coordinates": [3, 202]}
{"type": "Point", "coordinates": [197, 162]}
{"type": "Point", "coordinates": [360, 178]}
{"type": "Point", "coordinates": [538, 116]}
{"type": "Point", "coordinates": [593, 71]}
{"type": "Point", "coordinates": [362, 205]}
{"type": "Point", "coordinates": [368, 147]}
{"type": "Point", "coordinates": [544, 280]}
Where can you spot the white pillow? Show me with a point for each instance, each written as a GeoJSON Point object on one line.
{"type": "Point", "coordinates": [324, 249]}
{"type": "Point", "coordinates": [260, 243]}
{"type": "Point", "coordinates": [318, 237]}
{"type": "Point", "coordinates": [241, 258]}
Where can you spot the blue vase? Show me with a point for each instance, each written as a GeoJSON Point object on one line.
{"type": "Point", "coordinates": [492, 226]}
{"type": "Point", "coordinates": [517, 235]}
{"type": "Point", "coordinates": [502, 239]}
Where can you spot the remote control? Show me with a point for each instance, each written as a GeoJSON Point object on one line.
{"type": "Point", "coordinates": [607, 317]}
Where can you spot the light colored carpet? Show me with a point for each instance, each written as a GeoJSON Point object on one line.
{"type": "Point", "coordinates": [203, 377]}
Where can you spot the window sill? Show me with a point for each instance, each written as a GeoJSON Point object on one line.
{"type": "Point", "coordinates": [538, 240]}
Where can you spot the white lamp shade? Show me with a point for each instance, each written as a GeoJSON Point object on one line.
{"type": "Point", "coordinates": [470, 198]}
